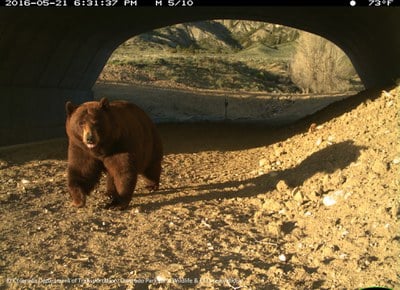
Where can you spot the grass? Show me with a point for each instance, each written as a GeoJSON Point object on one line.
{"type": "Point", "coordinates": [257, 68]}
{"type": "Point", "coordinates": [241, 55]}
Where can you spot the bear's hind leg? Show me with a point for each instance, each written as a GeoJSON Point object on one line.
{"type": "Point", "coordinates": [152, 175]}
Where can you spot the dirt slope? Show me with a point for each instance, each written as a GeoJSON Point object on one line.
{"type": "Point", "coordinates": [239, 208]}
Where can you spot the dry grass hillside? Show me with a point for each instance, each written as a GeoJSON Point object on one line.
{"type": "Point", "coordinates": [217, 54]}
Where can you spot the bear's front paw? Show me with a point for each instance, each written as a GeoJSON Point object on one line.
{"type": "Point", "coordinates": [117, 205]}
{"type": "Point", "coordinates": [78, 198]}
{"type": "Point", "coordinates": [78, 203]}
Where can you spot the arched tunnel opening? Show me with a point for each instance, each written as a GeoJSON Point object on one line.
{"type": "Point", "coordinates": [228, 80]}
{"type": "Point", "coordinates": [228, 70]}
{"type": "Point", "coordinates": [242, 203]}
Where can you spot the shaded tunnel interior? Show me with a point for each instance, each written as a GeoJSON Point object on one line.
{"type": "Point", "coordinates": [50, 56]}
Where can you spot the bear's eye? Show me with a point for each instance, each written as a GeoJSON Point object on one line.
{"type": "Point", "coordinates": [81, 123]}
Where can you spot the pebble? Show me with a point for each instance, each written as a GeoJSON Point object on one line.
{"type": "Point", "coordinates": [263, 162]}
{"type": "Point", "coordinates": [396, 160]}
{"type": "Point", "coordinates": [162, 276]}
{"type": "Point", "coordinates": [389, 104]}
{"type": "Point", "coordinates": [282, 186]}
{"type": "Point", "coordinates": [175, 267]}
{"type": "Point", "coordinates": [332, 198]}
{"type": "Point", "coordinates": [282, 211]}
{"type": "Point", "coordinates": [318, 142]}
{"type": "Point", "coordinates": [312, 128]}
{"type": "Point", "coordinates": [282, 258]}
{"type": "Point", "coordinates": [25, 181]}
{"type": "Point", "coordinates": [278, 151]}
{"type": "Point", "coordinates": [329, 200]}
{"type": "Point", "coordinates": [379, 167]}
{"type": "Point", "coordinates": [387, 94]}
{"type": "Point", "coordinates": [271, 205]}
{"type": "Point", "coordinates": [298, 196]}
{"type": "Point", "coordinates": [203, 222]}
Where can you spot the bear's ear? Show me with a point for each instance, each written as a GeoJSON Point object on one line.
{"type": "Point", "coordinates": [104, 104]}
{"type": "Point", "coordinates": [69, 108]}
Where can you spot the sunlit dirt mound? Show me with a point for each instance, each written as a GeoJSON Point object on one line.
{"type": "Point", "coordinates": [311, 206]}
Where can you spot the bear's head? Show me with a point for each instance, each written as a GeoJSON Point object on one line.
{"type": "Point", "coordinates": [88, 123]}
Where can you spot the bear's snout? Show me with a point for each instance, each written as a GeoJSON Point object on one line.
{"type": "Point", "coordinates": [90, 137]}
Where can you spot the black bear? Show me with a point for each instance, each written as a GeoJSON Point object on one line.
{"type": "Point", "coordinates": [113, 137]}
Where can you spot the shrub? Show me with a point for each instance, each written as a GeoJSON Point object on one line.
{"type": "Point", "coordinates": [319, 66]}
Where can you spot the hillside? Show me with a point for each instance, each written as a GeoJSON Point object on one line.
{"type": "Point", "coordinates": [220, 54]}
{"type": "Point", "coordinates": [217, 54]}
{"type": "Point", "coordinates": [217, 36]}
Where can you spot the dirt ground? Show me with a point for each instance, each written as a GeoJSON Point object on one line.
{"type": "Point", "coordinates": [311, 206]}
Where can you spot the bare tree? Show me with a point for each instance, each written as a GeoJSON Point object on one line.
{"type": "Point", "coordinates": [319, 66]}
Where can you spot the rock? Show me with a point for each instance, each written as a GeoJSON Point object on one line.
{"type": "Point", "coordinates": [329, 200]}
{"type": "Point", "coordinates": [274, 229]}
{"type": "Point", "coordinates": [379, 167]}
{"type": "Point", "coordinates": [271, 205]}
{"type": "Point", "coordinates": [318, 142]}
{"type": "Point", "coordinates": [162, 276]}
{"type": "Point", "coordinates": [312, 128]}
{"type": "Point", "coordinates": [175, 267]}
{"type": "Point", "coordinates": [282, 258]}
{"type": "Point", "coordinates": [278, 151]}
{"type": "Point", "coordinates": [281, 186]}
{"type": "Point", "coordinates": [25, 181]}
{"type": "Point", "coordinates": [206, 280]}
{"type": "Point", "coordinates": [333, 198]}
{"type": "Point", "coordinates": [298, 197]}
{"type": "Point", "coordinates": [263, 162]}
{"type": "Point", "coordinates": [387, 94]}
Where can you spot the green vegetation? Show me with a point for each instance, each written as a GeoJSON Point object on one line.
{"type": "Point", "coordinates": [222, 54]}
{"type": "Point", "coordinates": [257, 68]}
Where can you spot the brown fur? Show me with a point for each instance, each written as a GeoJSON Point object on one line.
{"type": "Point", "coordinates": [117, 138]}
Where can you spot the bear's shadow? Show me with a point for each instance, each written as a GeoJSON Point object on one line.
{"type": "Point", "coordinates": [328, 160]}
